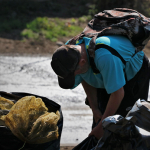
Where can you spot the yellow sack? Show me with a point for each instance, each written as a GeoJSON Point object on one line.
{"type": "Point", "coordinates": [5, 106]}
{"type": "Point", "coordinates": [31, 122]}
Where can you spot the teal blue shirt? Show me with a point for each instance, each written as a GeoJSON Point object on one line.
{"type": "Point", "coordinates": [112, 74]}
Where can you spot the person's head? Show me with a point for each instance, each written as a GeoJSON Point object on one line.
{"type": "Point", "coordinates": [67, 62]}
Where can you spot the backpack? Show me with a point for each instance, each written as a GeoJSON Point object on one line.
{"type": "Point", "coordinates": [118, 21]}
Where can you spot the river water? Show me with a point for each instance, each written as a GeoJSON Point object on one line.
{"type": "Point", "coordinates": [35, 75]}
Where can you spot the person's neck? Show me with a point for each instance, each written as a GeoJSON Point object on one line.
{"type": "Point", "coordinates": [84, 55]}
{"type": "Point", "coordinates": [83, 51]}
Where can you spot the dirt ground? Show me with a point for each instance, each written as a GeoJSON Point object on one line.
{"type": "Point", "coordinates": [10, 47]}
{"type": "Point", "coordinates": [66, 147]}
{"type": "Point", "coordinates": [41, 47]}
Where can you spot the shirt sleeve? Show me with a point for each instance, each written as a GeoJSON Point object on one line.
{"type": "Point", "coordinates": [111, 69]}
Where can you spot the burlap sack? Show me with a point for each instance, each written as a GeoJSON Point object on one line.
{"type": "Point", "coordinates": [5, 106]}
{"type": "Point", "coordinates": [31, 122]}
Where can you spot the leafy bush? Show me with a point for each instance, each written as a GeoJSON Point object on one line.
{"type": "Point", "coordinates": [51, 28]}
{"type": "Point", "coordinates": [85, 19]}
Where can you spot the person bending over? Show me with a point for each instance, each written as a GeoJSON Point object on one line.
{"type": "Point", "coordinates": [116, 87]}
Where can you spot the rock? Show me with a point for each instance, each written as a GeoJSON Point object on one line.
{"type": "Point", "coordinates": [59, 43]}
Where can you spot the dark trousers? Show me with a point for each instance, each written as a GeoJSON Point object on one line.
{"type": "Point", "coordinates": [136, 88]}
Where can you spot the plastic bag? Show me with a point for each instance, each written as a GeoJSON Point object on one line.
{"type": "Point", "coordinates": [87, 144]}
{"type": "Point", "coordinates": [141, 113]}
{"type": "Point", "coordinates": [8, 141]}
{"type": "Point", "coordinates": [131, 132]}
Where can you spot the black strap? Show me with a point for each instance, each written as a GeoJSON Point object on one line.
{"type": "Point", "coordinates": [112, 50]}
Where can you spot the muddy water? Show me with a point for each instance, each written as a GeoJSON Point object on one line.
{"type": "Point", "coordinates": [34, 75]}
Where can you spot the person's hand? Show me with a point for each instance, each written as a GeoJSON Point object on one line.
{"type": "Point", "coordinates": [97, 131]}
{"type": "Point", "coordinates": [97, 115]}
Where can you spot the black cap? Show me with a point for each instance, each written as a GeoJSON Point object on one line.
{"type": "Point", "coordinates": [64, 63]}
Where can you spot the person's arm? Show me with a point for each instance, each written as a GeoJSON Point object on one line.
{"type": "Point", "coordinates": [91, 93]}
{"type": "Point", "coordinates": [112, 106]}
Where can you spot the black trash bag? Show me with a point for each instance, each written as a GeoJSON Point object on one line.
{"type": "Point", "coordinates": [8, 141]}
{"type": "Point", "coordinates": [141, 113]}
{"type": "Point", "coordinates": [129, 133]}
{"type": "Point", "coordinates": [87, 144]}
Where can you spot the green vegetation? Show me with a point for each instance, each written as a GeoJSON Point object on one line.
{"type": "Point", "coordinates": [84, 19]}
{"type": "Point", "coordinates": [51, 28]}
{"type": "Point", "coordinates": [33, 18]}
